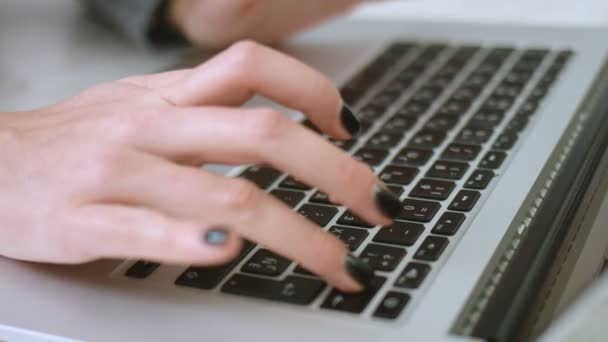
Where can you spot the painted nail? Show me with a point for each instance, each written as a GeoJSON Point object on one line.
{"type": "Point", "coordinates": [216, 236]}
{"type": "Point", "coordinates": [387, 201]}
{"type": "Point", "coordinates": [359, 270]}
{"type": "Point", "coordinates": [350, 121]}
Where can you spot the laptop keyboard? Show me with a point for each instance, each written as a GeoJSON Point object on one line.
{"type": "Point", "coordinates": [438, 124]}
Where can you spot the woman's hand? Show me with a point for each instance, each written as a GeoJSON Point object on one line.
{"type": "Point", "coordinates": [114, 171]}
{"type": "Point", "coordinates": [213, 23]}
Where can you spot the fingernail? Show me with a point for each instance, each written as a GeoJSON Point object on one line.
{"type": "Point", "coordinates": [359, 270]}
{"type": "Point", "coordinates": [216, 236]}
{"type": "Point", "coordinates": [386, 201]}
{"type": "Point", "coordinates": [350, 121]}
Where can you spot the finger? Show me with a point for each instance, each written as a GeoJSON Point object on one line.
{"type": "Point", "coordinates": [247, 69]}
{"type": "Point", "coordinates": [192, 195]}
{"type": "Point", "coordinates": [117, 231]}
{"type": "Point", "coordinates": [221, 135]}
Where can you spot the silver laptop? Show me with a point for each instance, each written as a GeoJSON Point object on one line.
{"type": "Point", "coordinates": [492, 135]}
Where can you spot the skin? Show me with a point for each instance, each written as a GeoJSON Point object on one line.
{"type": "Point", "coordinates": [115, 171]}
{"type": "Point", "coordinates": [214, 24]}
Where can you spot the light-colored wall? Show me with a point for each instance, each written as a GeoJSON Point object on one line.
{"type": "Point", "coordinates": [572, 12]}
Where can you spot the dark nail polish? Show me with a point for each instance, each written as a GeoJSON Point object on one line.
{"type": "Point", "coordinates": [350, 121]}
{"type": "Point", "coordinates": [216, 237]}
{"type": "Point", "coordinates": [387, 201]}
{"type": "Point", "coordinates": [359, 270]}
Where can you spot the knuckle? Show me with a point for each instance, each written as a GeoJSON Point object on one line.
{"type": "Point", "coordinates": [241, 195]}
{"type": "Point", "coordinates": [266, 124]}
{"type": "Point", "coordinates": [106, 165]}
{"type": "Point", "coordinates": [241, 58]}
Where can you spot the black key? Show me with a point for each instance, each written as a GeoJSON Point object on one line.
{"type": "Point", "coordinates": [465, 94]}
{"type": "Point", "coordinates": [402, 175]}
{"type": "Point", "coordinates": [263, 177]}
{"type": "Point", "coordinates": [392, 305]}
{"type": "Point", "coordinates": [479, 179]}
{"type": "Point", "coordinates": [398, 125]}
{"type": "Point", "coordinates": [497, 104]}
{"type": "Point", "coordinates": [292, 183]}
{"type": "Point", "coordinates": [320, 197]}
{"type": "Point", "coordinates": [431, 248]}
{"type": "Point", "coordinates": [538, 93]}
{"type": "Point", "coordinates": [425, 95]}
{"type": "Point", "coordinates": [486, 119]}
{"type": "Point", "coordinates": [534, 54]}
{"type": "Point", "coordinates": [427, 139]}
{"type": "Point", "coordinates": [461, 152]}
{"type": "Point", "coordinates": [397, 190]}
{"type": "Point", "coordinates": [352, 237]}
{"type": "Point", "coordinates": [141, 269]}
{"type": "Point", "coordinates": [517, 78]}
{"type": "Point", "coordinates": [499, 54]}
{"type": "Point", "coordinates": [301, 270]}
{"type": "Point", "coordinates": [399, 233]}
{"type": "Point", "coordinates": [413, 275]}
{"type": "Point", "coordinates": [265, 262]}
{"type": "Point", "coordinates": [474, 135]}
{"type": "Point", "coordinates": [492, 160]}
{"type": "Point", "coordinates": [448, 223]}
{"type": "Point", "coordinates": [372, 157]}
{"type": "Point", "coordinates": [453, 107]}
{"type": "Point", "coordinates": [319, 214]}
{"type": "Point", "coordinates": [209, 277]}
{"type": "Point", "coordinates": [413, 110]}
{"type": "Point", "coordinates": [382, 258]}
{"type": "Point", "coordinates": [433, 189]}
{"type": "Point", "coordinates": [448, 170]}
{"type": "Point", "coordinates": [465, 200]}
{"type": "Point", "coordinates": [371, 113]}
{"type": "Point", "coordinates": [353, 302]}
{"type": "Point", "coordinates": [506, 90]}
{"type": "Point", "coordinates": [350, 219]}
{"type": "Point", "coordinates": [516, 125]}
{"type": "Point", "coordinates": [294, 290]}
{"type": "Point", "coordinates": [291, 198]}
{"type": "Point", "coordinates": [384, 100]}
{"type": "Point", "coordinates": [384, 140]}
{"type": "Point", "coordinates": [346, 145]}
{"type": "Point", "coordinates": [412, 156]}
{"type": "Point", "coordinates": [505, 141]}
{"type": "Point", "coordinates": [442, 123]}
{"type": "Point", "coordinates": [418, 210]}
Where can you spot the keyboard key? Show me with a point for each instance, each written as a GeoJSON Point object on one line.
{"type": "Point", "coordinates": [392, 305]}
{"type": "Point", "coordinates": [265, 262]}
{"type": "Point", "coordinates": [397, 190]}
{"type": "Point", "coordinates": [291, 198]}
{"type": "Point", "coordinates": [448, 223]}
{"type": "Point", "coordinates": [398, 125]}
{"type": "Point", "coordinates": [474, 135]}
{"type": "Point", "coordinates": [371, 112]}
{"type": "Point", "coordinates": [516, 125]}
{"type": "Point", "coordinates": [402, 175]}
{"type": "Point", "coordinates": [412, 111]}
{"type": "Point", "coordinates": [486, 119]}
{"type": "Point", "coordinates": [346, 145]}
{"type": "Point", "coordinates": [294, 290]}
{"type": "Point", "coordinates": [461, 152]}
{"type": "Point", "coordinates": [141, 269]}
{"type": "Point", "coordinates": [210, 276]}
{"type": "Point", "coordinates": [412, 157]}
{"type": "Point", "coordinates": [418, 210]}
{"type": "Point", "coordinates": [497, 104]}
{"type": "Point", "coordinates": [492, 160]}
{"type": "Point", "coordinates": [441, 123]}
{"type": "Point", "coordinates": [433, 189]}
{"type": "Point", "coordinates": [413, 275]}
{"type": "Point", "coordinates": [453, 108]}
{"type": "Point", "coordinates": [399, 233]}
{"type": "Point", "coordinates": [427, 139]}
{"type": "Point", "coordinates": [384, 140]}
{"type": "Point", "coordinates": [479, 179]}
{"type": "Point", "coordinates": [262, 176]}
{"type": "Point", "coordinates": [465, 200]}
{"type": "Point", "coordinates": [382, 258]}
{"type": "Point", "coordinates": [352, 237]}
{"type": "Point", "coordinates": [348, 218]}
{"type": "Point", "coordinates": [319, 214]}
{"type": "Point", "coordinates": [292, 183]}
{"type": "Point", "coordinates": [372, 157]}
{"type": "Point", "coordinates": [431, 248]}
{"type": "Point", "coordinates": [320, 197]}
{"type": "Point", "coordinates": [448, 170]}
{"type": "Point", "coordinates": [353, 302]}
{"type": "Point", "coordinates": [505, 141]}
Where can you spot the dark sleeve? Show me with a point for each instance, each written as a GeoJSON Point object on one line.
{"type": "Point", "coordinates": [141, 21]}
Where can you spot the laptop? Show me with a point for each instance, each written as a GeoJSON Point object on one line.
{"type": "Point", "coordinates": [493, 136]}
